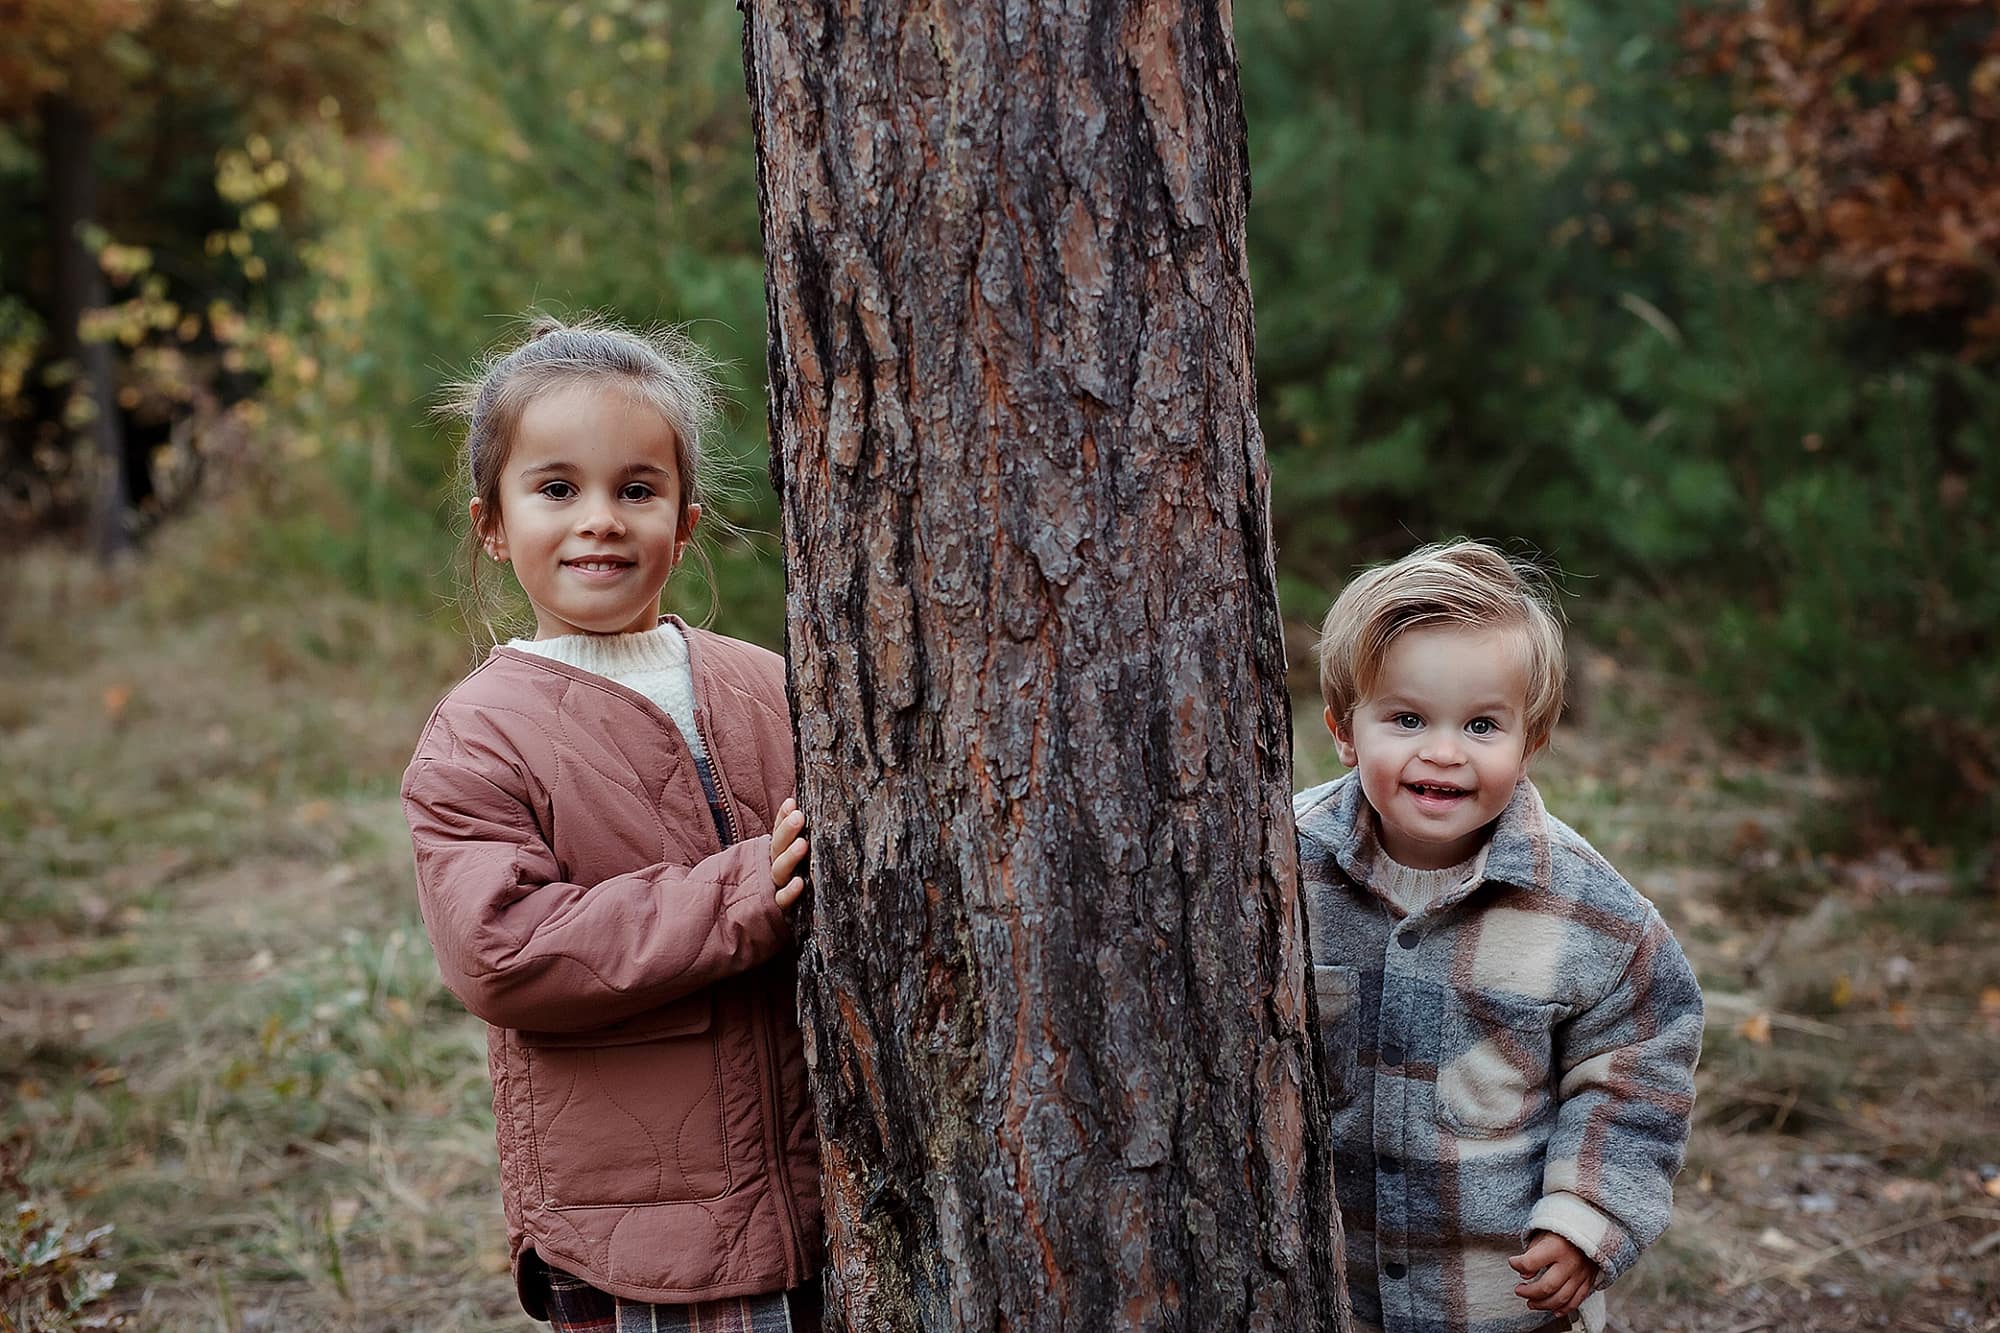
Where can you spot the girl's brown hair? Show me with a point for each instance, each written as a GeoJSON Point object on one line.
{"type": "Point", "coordinates": [662, 367]}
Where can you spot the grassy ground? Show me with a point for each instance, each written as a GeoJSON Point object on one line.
{"type": "Point", "coordinates": [221, 1034]}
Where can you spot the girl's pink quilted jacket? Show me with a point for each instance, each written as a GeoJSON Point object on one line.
{"type": "Point", "coordinates": [635, 973]}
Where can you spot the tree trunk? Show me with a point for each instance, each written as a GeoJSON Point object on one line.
{"type": "Point", "coordinates": [1054, 990]}
{"type": "Point", "coordinates": [69, 146]}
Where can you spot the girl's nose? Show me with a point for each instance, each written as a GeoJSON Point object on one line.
{"type": "Point", "coordinates": [599, 521]}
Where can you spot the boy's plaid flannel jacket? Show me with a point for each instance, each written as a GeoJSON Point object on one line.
{"type": "Point", "coordinates": [1517, 1057]}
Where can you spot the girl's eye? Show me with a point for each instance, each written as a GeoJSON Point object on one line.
{"type": "Point", "coordinates": [558, 490]}
{"type": "Point", "coordinates": [1406, 721]}
{"type": "Point", "coordinates": [1482, 726]}
{"type": "Point", "coordinates": [635, 490]}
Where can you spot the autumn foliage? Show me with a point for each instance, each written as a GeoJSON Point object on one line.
{"type": "Point", "coordinates": [1873, 129]}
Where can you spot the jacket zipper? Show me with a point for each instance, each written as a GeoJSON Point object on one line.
{"type": "Point", "coordinates": [714, 765]}
{"type": "Point", "coordinates": [775, 1104]}
{"type": "Point", "coordinates": [767, 1061]}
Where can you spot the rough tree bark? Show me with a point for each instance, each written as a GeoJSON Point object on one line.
{"type": "Point", "coordinates": [1054, 991]}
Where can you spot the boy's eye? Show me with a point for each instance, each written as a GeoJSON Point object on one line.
{"type": "Point", "coordinates": [1406, 721]}
{"type": "Point", "coordinates": [635, 490]}
{"type": "Point", "coordinates": [1482, 726]}
{"type": "Point", "coordinates": [558, 490]}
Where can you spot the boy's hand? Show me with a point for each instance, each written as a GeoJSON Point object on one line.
{"type": "Point", "coordinates": [1558, 1274]}
{"type": "Point", "coordinates": [788, 852]}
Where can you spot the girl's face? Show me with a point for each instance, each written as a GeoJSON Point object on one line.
{"type": "Point", "coordinates": [590, 511]}
{"type": "Point", "coordinates": [1441, 741]}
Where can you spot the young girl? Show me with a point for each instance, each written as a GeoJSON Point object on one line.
{"type": "Point", "coordinates": [606, 845]}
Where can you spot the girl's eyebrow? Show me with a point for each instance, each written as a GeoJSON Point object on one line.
{"type": "Point", "coordinates": [631, 470]}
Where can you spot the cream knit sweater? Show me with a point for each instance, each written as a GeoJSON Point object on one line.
{"type": "Point", "coordinates": [652, 662]}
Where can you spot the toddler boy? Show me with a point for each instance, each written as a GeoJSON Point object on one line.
{"type": "Point", "coordinates": [1511, 1030]}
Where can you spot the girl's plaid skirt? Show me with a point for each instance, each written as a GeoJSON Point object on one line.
{"type": "Point", "coordinates": [577, 1307]}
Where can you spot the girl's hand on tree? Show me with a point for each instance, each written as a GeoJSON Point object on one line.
{"type": "Point", "coordinates": [1566, 1274]}
{"type": "Point", "coordinates": [788, 852]}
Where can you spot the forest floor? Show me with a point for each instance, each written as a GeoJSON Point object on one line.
{"type": "Point", "coordinates": [222, 1036]}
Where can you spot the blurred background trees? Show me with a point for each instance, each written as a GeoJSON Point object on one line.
{"type": "Point", "coordinates": [146, 216]}
{"type": "Point", "coordinates": [1697, 301]}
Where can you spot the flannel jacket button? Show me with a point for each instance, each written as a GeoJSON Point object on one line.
{"type": "Point", "coordinates": [1392, 1055]}
{"type": "Point", "coordinates": [1407, 940]}
{"type": "Point", "coordinates": [1394, 1269]}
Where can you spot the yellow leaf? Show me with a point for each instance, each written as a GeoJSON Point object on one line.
{"type": "Point", "coordinates": [1756, 1029]}
{"type": "Point", "coordinates": [1843, 991]}
{"type": "Point", "coordinates": [117, 698]}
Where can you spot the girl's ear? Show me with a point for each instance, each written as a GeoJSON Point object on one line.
{"type": "Point", "coordinates": [1343, 744]}
{"type": "Point", "coordinates": [492, 537]}
{"type": "Point", "coordinates": [689, 517]}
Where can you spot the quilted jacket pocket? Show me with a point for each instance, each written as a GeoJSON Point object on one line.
{"type": "Point", "coordinates": [1339, 993]}
{"type": "Point", "coordinates": [1494, 1073]}
{"type": "Point", "coordinates": [692, 1014]}
{"type": "Point", "coordinates": [630, 1114]}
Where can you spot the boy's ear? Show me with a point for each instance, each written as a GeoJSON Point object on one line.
{"type": "Point", "coordinates": [1343, 744]}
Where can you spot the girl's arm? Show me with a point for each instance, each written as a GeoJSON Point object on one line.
{"type": "Point", "coordinates": [522, 949]}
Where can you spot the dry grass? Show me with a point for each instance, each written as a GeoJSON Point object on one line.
{"type": "Point", "coordinates": [221, 1032]}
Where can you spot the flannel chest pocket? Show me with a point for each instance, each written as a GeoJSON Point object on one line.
{"type": "Point", "coordinates": [630, 1114]}
{"type": "Point", "coordinates": [1338, 992]}
{"type": "Point", "coordinates": [1494, 1063]}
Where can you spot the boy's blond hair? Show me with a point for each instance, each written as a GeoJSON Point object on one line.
{"type": "Point", "coordinates": [1457, 583]}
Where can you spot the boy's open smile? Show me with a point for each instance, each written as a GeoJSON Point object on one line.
{"type": "Point", "coordinates": [1436, 795]}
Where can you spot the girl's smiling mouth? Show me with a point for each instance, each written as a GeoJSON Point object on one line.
{"type": "Point", "coordinates": [599, 566]}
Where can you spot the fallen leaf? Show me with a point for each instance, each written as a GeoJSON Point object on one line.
{"type": "Point", "coordinates": [1755, 1029]}
{"type": "Point", "coordinates": [1773, 1239]}
{"type": "Point", "coordinates": [1900, 1015]}
{"type": "Point", "coordinates": [1843, 991]}
{"type": "Point", "coordinates": [117, 698]}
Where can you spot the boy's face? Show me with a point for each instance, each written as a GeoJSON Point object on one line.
{"type": "Point", "coordinates": [1442, 740]}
